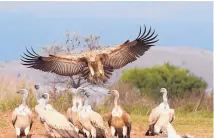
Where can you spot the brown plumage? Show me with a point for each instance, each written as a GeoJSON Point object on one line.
{"type": "Point", "coordinates": [95, 66]}
{"type": "Point", "coordinates": [73, 115]}
{"type": "Point", "coordinates": [119, 120]}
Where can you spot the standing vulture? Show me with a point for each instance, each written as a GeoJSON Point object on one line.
{"type": "Point", "coordinates": [22, 116]}
{"type": "Point", "coordinates": [91, 120]}
{"type": "Point", "coordinates": [156, 113]}
{"type": "Point", "coordinates": [55, 123]}
{"type": "Point", "coordinates": [74, 112]}
{"type": "Point", "coordinates": [119, 121]}
{"type": "Point", "coordinates": [95, 66]}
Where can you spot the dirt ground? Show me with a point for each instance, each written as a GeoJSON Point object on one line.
{"type": "Point", "coordinates": [38, 130]}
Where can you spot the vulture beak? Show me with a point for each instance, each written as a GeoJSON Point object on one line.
{"type": "Point", "coordinates": [20, 92]}
{"type": "Point", "coordinates": [110, 92]}
{"type": "Point", "coordinates": [36, 86]}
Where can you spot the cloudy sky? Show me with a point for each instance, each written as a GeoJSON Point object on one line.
{"type": "Point", "coordinates": [25, 24]}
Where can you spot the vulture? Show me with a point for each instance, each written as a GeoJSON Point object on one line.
{"type": "Point", "coordinates": [90, 120]}
{"type": "Point", "coordinates": [155, 114]}
{"type": "Point", "coordinates": [55, 123]}
{"type": "Point", "coordinates": [73, 115]}
{"type": "Point", "coordinates": [171, 132]}
{"type": "Point", "coordinates": [163, 124]}
{"type": "Point", "coordinates": [119, 121]}
{"type": "Point", "coordinates": [94, 66]}
{"type": "Point", "coordinates": [22, 116]}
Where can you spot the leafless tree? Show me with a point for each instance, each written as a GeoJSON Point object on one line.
{"type": "Point", "coordinates": [73, 44]}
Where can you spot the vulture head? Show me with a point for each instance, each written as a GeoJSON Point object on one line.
{"type": "Point", "coordinates": [92, 59]}
{"type": "Point", "coordinates": [45, 95]}
{"type": "Point", "coordinates": [114, 92]}
{"type": "Point", "coordinates": [23, 91]}
{"type": "Point", "coordinates": [163, 90]}
{"type": "Point", "coordinates": [36, 86]}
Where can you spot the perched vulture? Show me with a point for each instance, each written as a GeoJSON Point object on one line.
{"type": "Point", "coordinates": [95, 66]}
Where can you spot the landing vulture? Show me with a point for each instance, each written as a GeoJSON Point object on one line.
{"type": "Point", "coordinates": [95, 66]}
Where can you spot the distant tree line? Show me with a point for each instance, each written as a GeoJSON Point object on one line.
{"type": "Point", "coordinates": [178, 81]}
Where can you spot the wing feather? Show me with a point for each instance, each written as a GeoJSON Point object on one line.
{"type": "Point", "coordinates": [129, 51]}
{"type": "Point", "coordinates": [56, 121]}
{"type": "Point", "coordinates": [14, 118]}
{"type": "Point", "coordinates": [65, 66]}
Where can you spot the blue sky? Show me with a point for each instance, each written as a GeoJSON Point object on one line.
{"type": "Point", "coordinates": [41, 23]}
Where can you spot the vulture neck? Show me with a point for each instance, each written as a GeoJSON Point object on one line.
{"type": "Point", "coordinates": [165, 100]}
{"type": "Point", "coordinates": [38, 97]}
{"type": "Point", "coordinates": [24, 98]}
{"type": "Point", "coordinates": [86, 102]}
{"type": "Point", "coordinates": [117, 111]}
{"type": "Point", "coordinates": [46, 99]}
{"type": "Point", "coordinates": [116, 101]}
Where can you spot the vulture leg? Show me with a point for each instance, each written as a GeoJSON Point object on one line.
{"type": "Point", "coordinates": [18, 132]}
{"type": "Point", "coordinates": [125, 131]}
{"type": "Point", "coordinates": [113, 131]}
{"type": "Point", "coordinates": [128, 130]}
{"type": "Point", "coordinates": [27, 131]}
{"type": "Point", "coordinates": [147, 133]}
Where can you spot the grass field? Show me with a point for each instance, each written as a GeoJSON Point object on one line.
{"type": "Point", "coordinates": [198, 124]}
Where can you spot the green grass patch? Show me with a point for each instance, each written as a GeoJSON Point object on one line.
{"type": "Point", "coordinates": [3, 124]}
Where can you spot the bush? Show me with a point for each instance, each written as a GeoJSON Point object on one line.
{"type": "Point", "coordinates": [180, 82]}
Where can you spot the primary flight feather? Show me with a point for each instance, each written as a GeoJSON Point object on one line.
{"type": "Point", "coordinates": [95, 66]}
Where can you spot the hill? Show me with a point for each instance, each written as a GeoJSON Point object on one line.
{"type": "Point", "coordinates": [198, 61]}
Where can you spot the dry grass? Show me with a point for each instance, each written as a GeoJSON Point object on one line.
{"type": "Point", "coordinates": [134, 102]}
{"type": "Point", "coordinates": [198, 123]}
{"type": "Point", "coordinates": [9, 99]}
{"type": "Point", "coordinates": [190, 124]}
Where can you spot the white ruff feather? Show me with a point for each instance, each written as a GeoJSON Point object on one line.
{"type": "Point", "coordinates": [117, 112]}
{"type": "Point", "coordinates": [74, 108]}
{"type": "Point", "coordinates": [22, 110]}
{"type": "Point", "coordinates": [85, 111]}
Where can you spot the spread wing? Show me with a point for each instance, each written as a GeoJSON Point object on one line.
{"type": "Point", "coordinates": [61, 65]}
{"type": "Point", "coordinates": [129, 51]}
